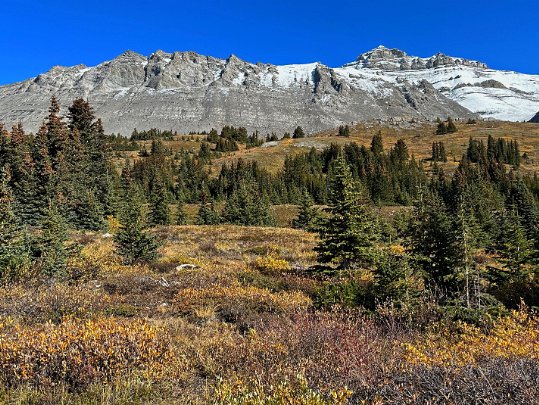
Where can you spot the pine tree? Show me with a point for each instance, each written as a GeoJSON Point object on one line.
{"type": "Point", "coordinates": [207, 214]}
{"type": "Point", "coordinates": [451, 127]}
{"type": "Point", "coordinates": [514, 245]}
{"type": "Point", "coordinates": [53, 253]}
{"type": "Point", "coordinates": [160, 214]}
{"type": "Point", "coordinates": [181, 215]}
{"type": "Point", "coordinates": [349, 233]}
{"type": "Point", "coordinates": [377, 145]}
{"type": "Point", "coordinates": [15, 257]}
{"type": "Point", "coordinates": [298, 132]}
{"type": "Point", "coordinates": [89, 211]}
{"type": "Point", "coordinates": [441, 129]}
{"type": "Point", "coordinates": [307, 215]}
{"type": "Point", "coordinates": [431, 239]}
{"type": "Point", "coordinates": [133, 243]}
{"type": "Point", "coordinates": [246, 207]}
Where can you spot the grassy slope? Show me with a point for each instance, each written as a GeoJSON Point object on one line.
{"type": "Point", "coordinates": [419, 140]}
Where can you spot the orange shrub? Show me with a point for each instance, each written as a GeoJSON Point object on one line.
{"type": "Point", "coordinates": [77, 353]}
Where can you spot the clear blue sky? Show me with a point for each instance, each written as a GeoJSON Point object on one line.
{"type": "Point", "coordinates": [36, 35]}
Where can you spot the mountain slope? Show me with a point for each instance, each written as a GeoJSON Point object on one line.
{"type": "Point", "coordinates": [186, 91]}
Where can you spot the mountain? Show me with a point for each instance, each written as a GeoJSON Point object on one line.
{"type": "Point", "coordinates": [535, 118]}
{"type": "Point", "coordinates": [185, 91]}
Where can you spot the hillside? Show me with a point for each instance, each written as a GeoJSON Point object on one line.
{"type": "Point", "coordinates": [418, 137]}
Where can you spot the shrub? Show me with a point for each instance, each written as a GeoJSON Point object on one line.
{"type": "Point", "coordinates": [515, 336]}
{"type": "Point", "coordinates": [237, 302]}
{"type": "Point", "coordinates": [292, 393]}
{"type": "Point", "coordinates": [77, 353]}
{"type": "Point", "coordinates": [271, 265]}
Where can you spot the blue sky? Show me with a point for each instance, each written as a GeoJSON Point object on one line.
{"type": "Point", "coordinates": [36, 35]}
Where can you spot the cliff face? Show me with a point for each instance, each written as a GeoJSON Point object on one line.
{"type": "Point", "coordinates": [185, 91]}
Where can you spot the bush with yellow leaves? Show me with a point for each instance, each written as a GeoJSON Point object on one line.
{"type": "Point", "coordinates": [76, 353]}
{"type": "Point", "coordinates": [271, 264]}
{"type": "Point", "coordinates": [512, 337]}
{"type": "Point", "coordinates": [292, 393]}
{"type": "Point", "coordinates": [235, 301]}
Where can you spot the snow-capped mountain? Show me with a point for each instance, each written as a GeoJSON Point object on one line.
{"type": "Point", "coordinates": [186, 91]}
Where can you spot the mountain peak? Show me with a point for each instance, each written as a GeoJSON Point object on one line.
{"type": "Point", "coordinates": [391, 59]}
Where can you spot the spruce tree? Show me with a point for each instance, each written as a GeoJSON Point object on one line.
{"type": "Point", "coordinates": [298, 132]}
{"type": "Point", "coordinates": [133, 243]}
{"type": "Point", "coordinates": [15, 256]}
{"type": "Point", "coordinates": [514, 245]}
{"type": "Point", "coordinates": [246, 207]}
{"type": "Point", "coordinates": [207, 213]}
{"type": "Point", "coordinates": [377, 145]}
{"type": "Point", "coordinates": [160, 214]}
{"type": "Point", "coordinates": [53, 253]}
{"type": "Point", "coordinates": [307, 215]}
{"type": "Point", "coordinates": [181, 215]}
{"type": "Point", "coordinates": [451, 127]}
{"type": "Point", "coordinates": [349, 233]}
{"type": "Point", "coordinates": [88, 211]}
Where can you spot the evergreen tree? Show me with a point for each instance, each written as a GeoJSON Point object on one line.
{"type": "Point", "coordinates": [432, 238]}
{"type": "Point", "coordinates": [451, 127]}
{"type": "Point", "coordinates": [160, 214]}
{"type": "Point", "coordinates": [207, 213]}
{"type": "Point", "coordinates": [133, 243]}
{"type": "Point", "coordinates": [441, 129]}
{"type": "Point", "coordinates": [53, 253]}
{"type": "Point", "coordinates": [349, 233]}
{"type": "Point", "coordinates": [298, 132]}
{"type": "Point", "coordinates": [15, 257]}
{"type": "Point", "coordinates": [88, 211]}
{"type": "Point", "coordinates": [514, 245]}
{"type": "Point", "coordinates": [246, 207]}
{"type": "Point", "coordinates": [307, 215]}
{"type": "Point", "coordinates": [377, 145]}
{"type": "Point", "coordinates": [181, 215]}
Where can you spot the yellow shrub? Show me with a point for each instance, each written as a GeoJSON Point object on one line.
{"type": "Point", "coordinates": [271, 264]}
{"type": "Point", "coordinates": [239, 298]}
{"type": "Point", "coordinates": [77, 352]}
{"type": "Point", "coordinates": [297, 393]}
{"type": "Point", "coordinates": [513, 336]}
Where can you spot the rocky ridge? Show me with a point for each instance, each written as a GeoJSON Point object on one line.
{"type": "Point", "coordinates": [186, 91]}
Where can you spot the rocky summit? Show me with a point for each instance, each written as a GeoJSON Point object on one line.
{"type": "Point", "coordinates": [185, 91]}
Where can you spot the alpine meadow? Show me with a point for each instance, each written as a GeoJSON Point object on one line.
{"type": "Point", "coordinates": [187, 229]}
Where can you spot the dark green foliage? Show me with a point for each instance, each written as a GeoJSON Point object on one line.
{"type": "Point", "coordinates": [447, 127]}
{"type": "Point", "coordinates": [152, 134]}
{"type": "Point", "coordinates": [160, 214]}
{"type": "Point", "coordinates": [181, 216]}
{"type": "Point", "coordinates": [298, 133]}
{"type": "Point", "coordinates": [207, 214]}
{"type": "Point", "coordinates": [432, 239]}
{"type": "Point", "coordinates": [451, 127]}
{"type": "Point", "coordinates": [88, 211]}
{"type": "Point", "coordinates": [349, 233]}
{"type": "Point", "coordinates": [438, 152]}
{"type": "Point", "coordinates": [204, 152]}
{"type": "Point", "coordinates": [133, 243]}
{"type": "Point", "coordinates": [51, 244]}
{"type": "Point", "coordinates": [308, 214]}
{"type": "Point", "coordinates": [396, 281]}
{"type": "Point", "coordinates": [344, 130]}
{"type": "Point", "coordinates": [377, 145]}
{"type": "Point", "coordinates": [515, 247]}
{"type": "Point", "coordinates": [15, 258]}
{"type": "Point", "coordinates": [246, 207]}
